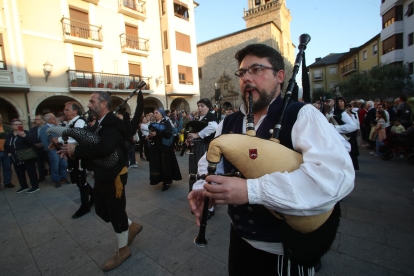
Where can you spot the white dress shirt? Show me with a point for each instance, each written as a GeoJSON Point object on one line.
{"type": "Point", "coordinates": [349, 125]}
{"type": "Point", "coordinates": [80, 123]}
{"type": "Point", "coordinates": [209, 129]}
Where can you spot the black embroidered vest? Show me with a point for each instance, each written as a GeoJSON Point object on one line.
{"type": "Point", "coordinates": [253, 221]}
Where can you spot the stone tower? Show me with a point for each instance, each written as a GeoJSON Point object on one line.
{"type": "Point", "coordinates": [264, 11]}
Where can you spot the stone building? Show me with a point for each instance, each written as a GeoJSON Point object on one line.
{"type": "Point", "coordinates": [63, 50]}
{"type": "Point", "coordinates": [267, 22]}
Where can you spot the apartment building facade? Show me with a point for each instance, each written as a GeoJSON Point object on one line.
{"type": "Point", "coordinates": [64, 50]}
{"type": "Point", "coordinates": [397, 33]}
{"type": "Point", "coordinates": [327, 72]}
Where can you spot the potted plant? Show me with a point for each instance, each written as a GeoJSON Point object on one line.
{"type": "Point", "coordinates": [121, 85]}
{"type": "Point", "coordinates": [109, 84]}
{"type": "Point", "coordinates": [74, 83]}
{"type": "Point", "coordinates": [101, 84]}
{"type": "Point", "coordinates": [131, 85]}
{"type": "Point", "coordinates": [90, 83]}
{"type": "Point", "coordinates": [146, 87]}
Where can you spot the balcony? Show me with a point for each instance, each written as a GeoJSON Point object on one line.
{"type": "Point", "coordinates": [81, 33]}
{"type": "Point", "coordinates": [134, 45]}
{"type": "Point", "coordinates": [96, 2]}
{"type": "Point", "coordinates": [133, 8]}
{"type": "Point", "coordinates": [258, 9]}
{"type": "Point", "coordinates": [349, 68]}
{"type": "Point", "coordinates": [387, 5]}
{"type": "Point", "coordinates": [394, 28]}
{"type": "Point", "coordinates": [85, 81]}
{"type": "Point", "coordinates": [317, 77]}
{"type": "Point", "coordinates": [393, 56]}
{"type": "Point", "coordinates": [14, 83]}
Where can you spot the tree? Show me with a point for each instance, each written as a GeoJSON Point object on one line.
{"type": "Point", "coordinates": [387, 80]}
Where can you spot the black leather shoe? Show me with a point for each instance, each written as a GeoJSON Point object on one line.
{"type": "Point", "coordinates": [166, 187]}
{"type": "Point", "coordinates": [81, 211]}
{"type": "Point", "coordinates": [210, 214]}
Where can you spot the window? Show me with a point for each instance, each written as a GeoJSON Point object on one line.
{"type": "Point", "coordinates": [165, 40]}
{"type": "Point", "coordinates": [200, 73]}
{"type": "Point", "coordinates": [392, 43]}
{"type": "Point", "coordinates": [410, 39]}
{"type": "Point", "coordinates": [394, 14]}
{"type": "Point", "coordinates": [131, 36]}
{"type": "Point", "coordinates": [79, 24]}
{"type": "Point", "coordinates": [317, 86]}
{"type": "Point", "coordinates": [317, 74]}
{"type": "Point", "coordinates": [225, 87]}
{"type": "Point", "coordinates": [411, 68]}
{"type": "Point", "coordinates": [364, 55]}
{"type": "Point", "coordinates": [181, 11]}
{"type": "Point", "coordinates": [167, 69]}
{"type": "Point", "coordinates": [134, 69]}
{"type": "Point", "coordinates": [183, 42]}
{"type": "Point", "coordinates": [163, 7]}
{"type": "Point", "coordinates": [333, 70]}
{"type": "Point", "coordinates": [374, 49]}
{"type": "Point", "coordinates": [84, 69]}
{"type": "Point", "coordinates": [257, 2]}
{"type": "Point", "coordinates": [2, 57]}
{"type": "Point", "coordinates": [333, 84]}
{"type": "Point", "coordinates": [409, 9]}
{"type": "Point", "coordinates": [83, 63]}
{"type": "Point", "coordinates": [185, 75]}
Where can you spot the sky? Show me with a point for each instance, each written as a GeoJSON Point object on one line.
{"type": "Point", "coordinates": [334, 26]}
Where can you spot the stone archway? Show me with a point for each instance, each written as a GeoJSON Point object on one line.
{"type": "Point", "coordinates": [68, 98]}
{"type": "Point", "coordinates": [10, 110]}
{"type": "Point", "coordinates": [55, 104]}
{"type": "Point", "coordinates": [180, 104]}
{"type": "Point", "coordinates": [227, 105]}
{"type": "Point", "coordinates": [151, 103]}
{"type": "Point", "coordinates": [117, 101]}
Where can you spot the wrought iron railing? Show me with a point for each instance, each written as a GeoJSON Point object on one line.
{"type": "Point", "coordinates": [81, 29]}
{"type": "Point", "coordinates": [134, 42]}
{"type": "Point", "coordinates": [348, 68]}
{"type": "Point", "coordinates": [78, 78]}
{"type": "Point", "coordinates": [263, 7]}
{"type": "Point", "coordinates": [135, 5]}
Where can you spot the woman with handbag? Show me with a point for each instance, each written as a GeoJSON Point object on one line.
{"type": "Point", "coordinates": [20, 146]}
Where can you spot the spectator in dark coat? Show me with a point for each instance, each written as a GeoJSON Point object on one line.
{"type": "Point", "coordinates": [21, 140]}
{"type": "Point", "coordinates": [40, 151]}
{"type": "Point", "coordinates": [371, 115]}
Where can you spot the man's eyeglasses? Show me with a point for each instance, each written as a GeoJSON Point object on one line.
{"type": "Point", "coordinates": [254, 70]}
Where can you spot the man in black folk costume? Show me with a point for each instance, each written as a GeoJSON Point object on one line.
{"type": "Point", "coordinates": [260, 243]}
{"type": "Point", "coordinates": [202, 130]}
{"type": "Point", "coordinates": [109, 187]}
{"type": "Point", "coordinates": [163, 163]}
{"type": "Point", "coordinates": [77, 167]}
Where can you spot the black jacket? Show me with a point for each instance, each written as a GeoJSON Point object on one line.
{"type": "Point", "coordinates": [112, 132]}
{"type": "Point", "coordinates": [15, 142]}
{"type": "Point", "coordinates": [371, 115]}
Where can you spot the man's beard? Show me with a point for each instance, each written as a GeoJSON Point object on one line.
{"type": "Point", "coordinates": [264, 98]}
{"type": "Point", "coordinates": [96, 112]}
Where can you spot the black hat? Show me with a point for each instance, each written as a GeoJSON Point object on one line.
{"type": "Point", "coordinates": [328, 96]}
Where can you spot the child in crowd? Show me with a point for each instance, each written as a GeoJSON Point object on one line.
{"type": "Point", "coordinates": [380, 129]}
{"type": "Point", "coordinates": [397, 128]}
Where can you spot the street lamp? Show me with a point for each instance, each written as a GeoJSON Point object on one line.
{"type": "Point", "coordinates": [47, 69]}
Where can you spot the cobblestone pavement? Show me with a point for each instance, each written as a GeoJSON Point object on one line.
{"type": "Point", "coordinates": [39, 237]}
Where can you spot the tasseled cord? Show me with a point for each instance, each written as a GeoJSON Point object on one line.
{"type": "Point", "coordinates": [118, 183]}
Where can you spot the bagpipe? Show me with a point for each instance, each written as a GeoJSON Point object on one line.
{"type": "Point", "coordinates": [237, 149]}
{"type": "Point", "coordinates": [86, 137]}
